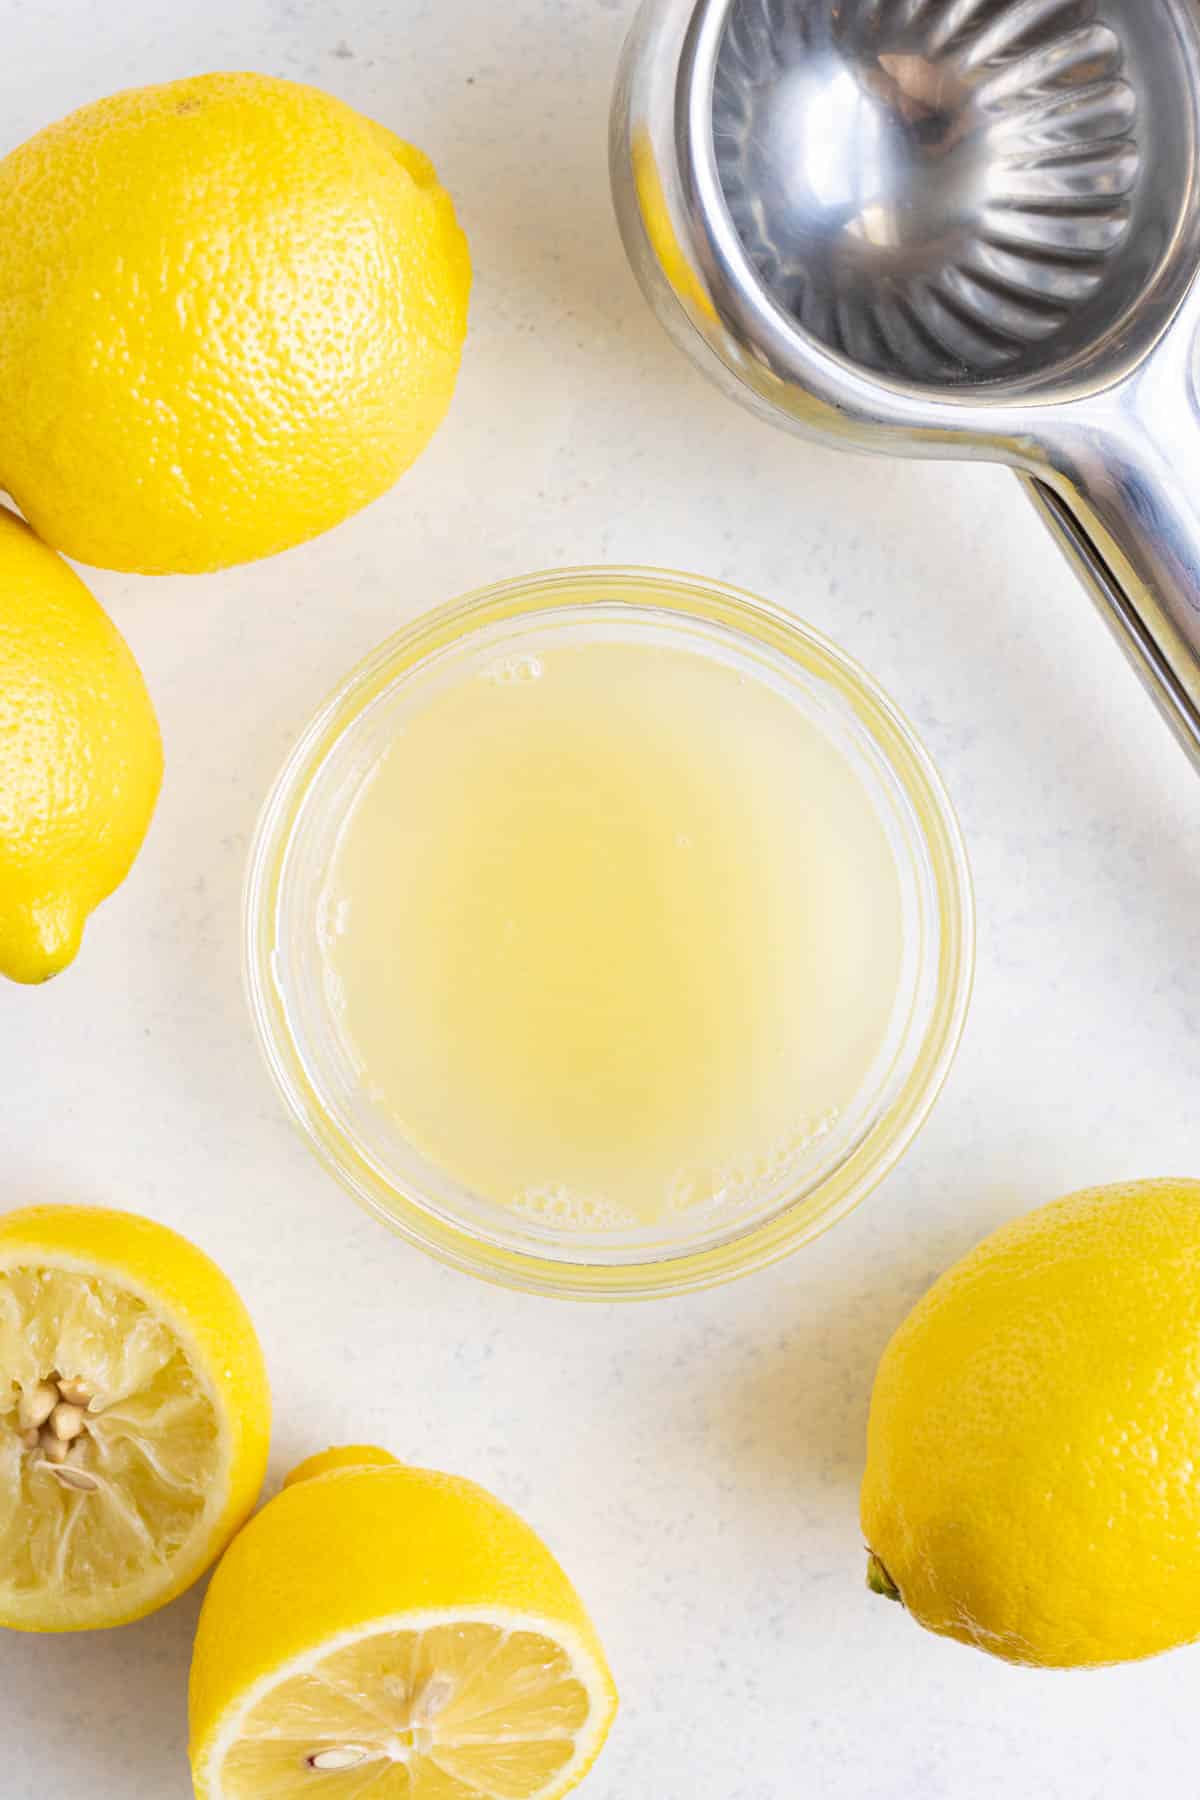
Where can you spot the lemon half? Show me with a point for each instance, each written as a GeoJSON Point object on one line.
{"type": "Point", "coordinates": [389, 1632]}
{"type": "Point", "coordinates": [133, 1437]}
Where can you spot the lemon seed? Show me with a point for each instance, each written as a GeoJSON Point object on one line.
{"type": "Point", "coordinates": [66, 1422]}
{"type": "Point", "coordinates": [344, 1756]}
{"type": "Point", "coordinates": [79, 1479]}
{"type": "Point", "coordinates": [35, 1407]}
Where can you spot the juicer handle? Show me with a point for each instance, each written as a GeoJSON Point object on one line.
{"type": "Point", "coordinates": [1124, 504]}
{"type": "Point", "coordinates": [1114, 599]}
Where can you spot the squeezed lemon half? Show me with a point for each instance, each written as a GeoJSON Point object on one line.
{"type": "Point", "coordinates": [135, 1417]}
{"type": "Point", "coordinates": [391, 1633]}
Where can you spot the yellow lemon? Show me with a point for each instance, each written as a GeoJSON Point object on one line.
{"type": "Point", "coordinates": [133, 1440]}
{"type": "Point", "coordinates": [231, 313]}
{"type": "Point", "coordinates": [80, 756]}
{"type": "Point", "coordinates": [386, 1630]}
{"type": "Point", "coordinates": [660, 229]}
{"type": "Point", "coordinates": [1035, 1434]}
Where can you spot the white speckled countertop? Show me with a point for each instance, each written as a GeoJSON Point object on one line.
{"type": "Point", "coordinates": [694, 1463]}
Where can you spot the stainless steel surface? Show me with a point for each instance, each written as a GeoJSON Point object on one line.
{"type": "Point", "coordinates": [931, 196]}
{"type": "Point", "coordinates": [948, 227]}
{"type": "Point", "coordinates": [1142, 650]}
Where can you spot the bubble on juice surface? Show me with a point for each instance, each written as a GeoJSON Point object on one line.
{"type": "Point", "coordinates": [741, 1183]}
{"type": "Point", "coordinates": [512, 669]}
{"type": "Point", "coordinates": [333, 919]}
{"type": "Point", "coordinates": [563, 1209]}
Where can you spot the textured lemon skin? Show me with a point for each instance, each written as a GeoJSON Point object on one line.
{"type": "Point", "coordinates": [231, 314]}
{"type": "Point", "coordinates": [344, 1456]}
{"type": "Point", "coordinates": [80, 756]}
{"type": "Point", "coordinates": [1034, 1439]}
{"type": "Point", "coordinates": [202, 1306]}
{"type": "Point", "coordinates": [355, 1545]}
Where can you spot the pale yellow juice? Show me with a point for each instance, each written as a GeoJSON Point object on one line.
{"type": "Point", "coordinates": [612, 931]}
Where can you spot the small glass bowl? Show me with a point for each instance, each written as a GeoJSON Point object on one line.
{"type": "Point", "coordinates": [365, 1149]}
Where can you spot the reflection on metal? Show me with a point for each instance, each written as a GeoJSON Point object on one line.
{"type": "Point", "coordinates": [951, 228]}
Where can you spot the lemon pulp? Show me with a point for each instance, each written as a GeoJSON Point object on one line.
{"type": "Point", "coordinates": [613, 928]}
{"type": "Point", "coordinates": [139, 1475]}
{"type": "Point", "coordinates": [134, 1416]}
{"type": "Point", "coordinates": [444, 1713]}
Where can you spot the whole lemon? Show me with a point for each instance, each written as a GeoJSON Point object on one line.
{"type": "Point", "coordinates": [231, 313]}
{"type": "Point", "coordinates": [1034, 1440]}
{"type": "Point", "coordinates": [80, 756]}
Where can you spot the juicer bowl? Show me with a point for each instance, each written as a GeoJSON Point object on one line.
{"type": "Point", "coordinates": [967, 203]}
{"type": "Point", "coordinates": [960, 228]}
{"type": "Point", "coordinates": [956, 192]}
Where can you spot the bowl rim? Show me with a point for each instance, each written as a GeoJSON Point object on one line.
{"type": "Point", "coordinates": [792, 1224]}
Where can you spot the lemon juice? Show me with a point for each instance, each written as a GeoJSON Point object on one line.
{"type": "Point", "coordinates": [612, 927]}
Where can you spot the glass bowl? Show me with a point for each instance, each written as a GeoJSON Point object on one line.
{"type": "Point", "coordinates": [364, 1147]}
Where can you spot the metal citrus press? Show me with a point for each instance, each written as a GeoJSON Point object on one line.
{"type": "Point", "coordinates": [961, 228]}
